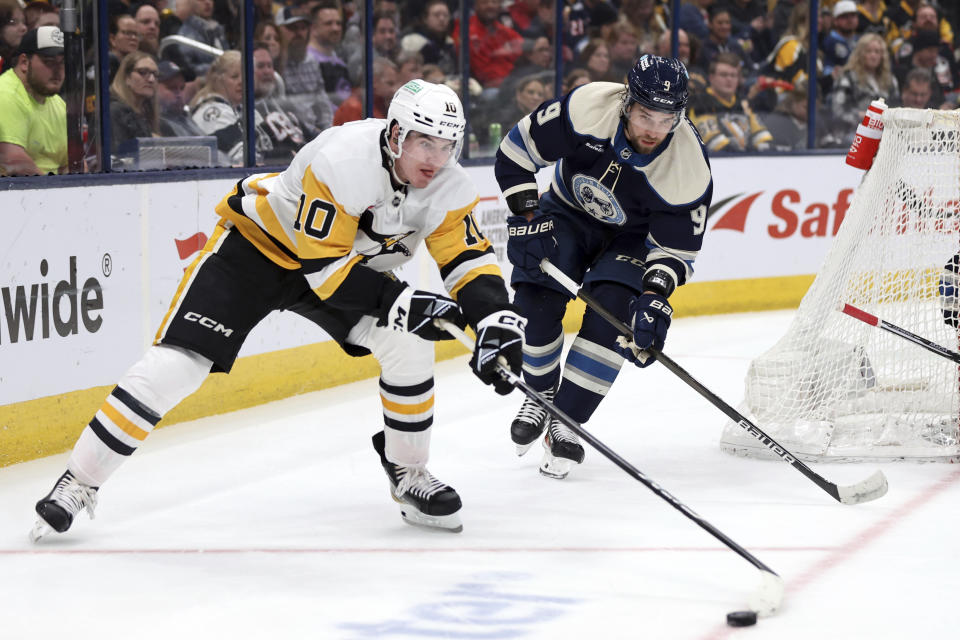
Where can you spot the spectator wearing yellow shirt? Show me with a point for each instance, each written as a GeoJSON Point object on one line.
{"type": "Point", "coordinates": [33, 118]}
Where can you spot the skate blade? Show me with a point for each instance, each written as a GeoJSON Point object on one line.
{"type": "Point", "coordinates": [449, 523]}
{"type": "Point", "coordinates": [523, 448]}
{"type": "Point", "coordinates": [40, 530]}
{"type": "Point", "coordinates": [554, 467]}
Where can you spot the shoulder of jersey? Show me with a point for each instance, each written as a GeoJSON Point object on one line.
{"type": "Point", "coordinates": [351, 150]}
{"type": "Point", "coordinates": [453, 188]}
{"type": "Point", "coordinates": [594, 109]}
{"type": "Point", "coordinates": [678, 186]}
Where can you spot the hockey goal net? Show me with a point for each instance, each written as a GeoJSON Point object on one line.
{"type": "Point", "coordinates": [835, 388]}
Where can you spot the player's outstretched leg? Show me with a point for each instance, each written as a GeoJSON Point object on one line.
{"type": "Point", "coordinates": [57, 510]}
{"type": "Point", "coordinates": [423, 499]}
{"type": "Point", "coordinates": [561, 450]}
{"type": "Point", "coordinates": [530, 422]}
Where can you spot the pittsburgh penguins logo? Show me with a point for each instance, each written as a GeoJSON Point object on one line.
{"type": "Point", "coordinates": [388, 243]}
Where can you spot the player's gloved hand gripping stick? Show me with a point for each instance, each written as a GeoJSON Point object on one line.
{"type": "Point", "coordinates": [870, 489]}
{"type": "Point", "coordinates": [768, 596]}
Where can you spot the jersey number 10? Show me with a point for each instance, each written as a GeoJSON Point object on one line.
{"type": "Point", "coordinates": [309, 225]}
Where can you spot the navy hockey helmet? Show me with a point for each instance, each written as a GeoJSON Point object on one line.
{"type": "Point", "coordinates": [657, 83]}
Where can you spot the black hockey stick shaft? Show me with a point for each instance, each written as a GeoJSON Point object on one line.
{"type": "Point", "coordinates": [608, 453]}
{"type": "Point", "coordinates": [871, 319]}
{"type": "Point", "coordinates": [869, 489]}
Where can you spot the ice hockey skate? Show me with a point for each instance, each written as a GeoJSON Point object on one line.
{"type": "Point", "coordinates": [424, 500]}
{"type": "Point", "coordinates": [561, 450]}
{"type": "Point", "coordinates": [59, 507]}
{"type": "Point", "coordinates": [530, 422]}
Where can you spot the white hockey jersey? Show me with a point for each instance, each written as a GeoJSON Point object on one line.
{"type": "Point", "coordinates": [336, 212]}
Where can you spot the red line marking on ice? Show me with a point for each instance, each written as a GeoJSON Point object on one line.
{"type": "Point", "coordinates": [360, 550]}
{"type": "Point", "coordinates": [839, 555]}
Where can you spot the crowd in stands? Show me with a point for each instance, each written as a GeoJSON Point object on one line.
{"type": "Point", "coordinates": [176, 71]}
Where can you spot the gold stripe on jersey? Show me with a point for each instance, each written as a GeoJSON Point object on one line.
{"type": "Point", "coordinates": [252, 232]}
{"type": "Point", "coordinates": [330, 283]}
{"type": "Point", "coordinates": [456, 238]}
{"type": "Point", "coordinates": [475, 272]}
{"type": "Point", "coordinates": [122, 422]}
{"type": "Point", "coordinates": [212, 244]}
{"type": "Point", "coordinates": [317, 238]}
{"type": "Point", "coordinates": [267, 217]}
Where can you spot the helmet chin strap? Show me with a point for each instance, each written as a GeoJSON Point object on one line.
{"type": "Point", "coordinates": [392, 159]}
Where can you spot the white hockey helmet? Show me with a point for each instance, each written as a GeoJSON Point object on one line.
{"type": "Point", "coordinates": [432, 109]}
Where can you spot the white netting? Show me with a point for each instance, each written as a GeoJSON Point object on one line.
{"type": "Point", "coordinates": [835, 388]}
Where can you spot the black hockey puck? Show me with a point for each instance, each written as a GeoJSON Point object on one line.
{"type": "Point", "coordinates": [742, 618]}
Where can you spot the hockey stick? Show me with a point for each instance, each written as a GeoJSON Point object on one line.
{"type": "Point", "coordinates": [871, 319]}
{"type": "Point", "coordinates": [870, 489]}
{"type": "Point", "coordinates": [767, 597]}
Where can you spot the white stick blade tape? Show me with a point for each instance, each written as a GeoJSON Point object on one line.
{"type": "Point", "coordinates": [870, 489]}
{"type": "Point", "coordinates": [766, 599]}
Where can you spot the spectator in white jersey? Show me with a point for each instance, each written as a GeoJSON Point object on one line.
{"type": "Point", "coordinates": [216, 107]}
{"type": "Point", "coordinates": [321, 239]}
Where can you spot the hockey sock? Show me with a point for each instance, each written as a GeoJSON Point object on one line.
{"type": "Point", "coordinates": [543, 339]}
{"type": "Point", "coordinates": [407, 416]}
{"type": "Point", "coordinates": [159, 381]}
{"type": "Point", "coordinates": [592, 365]}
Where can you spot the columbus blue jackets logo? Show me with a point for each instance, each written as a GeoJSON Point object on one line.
{"type": "Point", "coordinates": [597, 200]}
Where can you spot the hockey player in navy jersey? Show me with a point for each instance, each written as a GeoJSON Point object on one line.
{"type": "Point", "coordinates": [320, 239]}
{"type": "Point", "coordinates": [624, 216]}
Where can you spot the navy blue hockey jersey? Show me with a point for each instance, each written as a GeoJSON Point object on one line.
{"type": "Point", "coordinates": [600, 176]}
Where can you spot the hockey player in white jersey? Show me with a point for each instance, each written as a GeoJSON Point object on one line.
{"type": "Point", "coordinates": [320, 239]}
{"type": "Point", "coordinates": [624, 216]}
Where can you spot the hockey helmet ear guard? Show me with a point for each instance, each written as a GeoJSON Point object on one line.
{"type": "Point", "coordinates": [431, 109]}
{"type": "Point", "coordinates": [659, 84]}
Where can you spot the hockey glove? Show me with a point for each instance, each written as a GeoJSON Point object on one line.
{"type": "Point", "coordinates": [950, 291]}
{"type": "Point", "coordinates": [415, 310]}
{"type": "Point", "coordinates": [649, 318]}
{"type": "Point", "coordinates": [499, 338]}
{"type": "Point", "coordinates": [529, 242]}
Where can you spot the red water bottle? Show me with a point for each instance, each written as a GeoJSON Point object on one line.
{"type": "Point", "coordinates": [867, 140]}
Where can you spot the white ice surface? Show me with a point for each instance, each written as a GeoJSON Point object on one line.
{"type": "Point", "coordinates": [275, 522]}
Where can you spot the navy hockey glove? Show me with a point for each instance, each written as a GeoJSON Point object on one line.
{"type": "Point", "coordinates": [415, 310]}
{"type": "Point", "coordinates": [529, 242]}
{"type": "Point", "coordinates": [950, 291]}
{"type": "Point", "coordinates": [499, 335]}
{"type": "Point", "coordinates": [649, 318]}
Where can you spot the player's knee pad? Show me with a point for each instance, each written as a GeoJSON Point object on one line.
{"type": "Point", "coordinates": [164, 376]}
{"type": "Point", "coordinates": [613, 297]}
{"type": "Point", "coordinates": [404, 358]}
{"type": "Point", "coordinates": [543, 308]}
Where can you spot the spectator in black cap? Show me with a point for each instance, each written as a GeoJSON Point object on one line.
{"type": "Point", "coordinates": [33, 124]}
{"type": "Point", "coordinates": [926, 54]}
{"type": "Point", "coordinates": [301, 74]}
{"type": "Point", "coordinates": [172, 101]}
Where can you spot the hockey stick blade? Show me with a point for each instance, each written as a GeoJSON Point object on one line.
{"type": "Point", "coordinates": [873, 320]}
{"type": "Point", "coordinates": [870, 489]}
{"type": "Point", "coordinates": [764, 601]}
